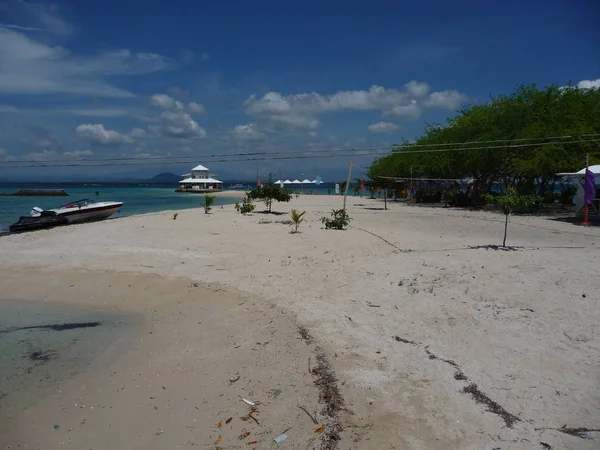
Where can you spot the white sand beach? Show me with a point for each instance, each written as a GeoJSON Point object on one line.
{"type": "Point", "coordinates": [436, 343]}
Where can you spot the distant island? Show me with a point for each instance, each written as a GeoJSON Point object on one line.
{"type": "Point", "coordinates": [165, 177]}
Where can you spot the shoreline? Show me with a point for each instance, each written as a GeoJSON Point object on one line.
{"type": "Point", "coordinates": [391, 300]}
{"type": "Point", "coordinates": [177, 363]}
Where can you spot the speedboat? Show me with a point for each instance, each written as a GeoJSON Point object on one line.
{"type": "Point", "coordinates": [84, 210]}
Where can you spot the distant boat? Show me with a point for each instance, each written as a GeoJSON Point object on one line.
{"type": "Point", "coordinates": [239, 186]}
{"type": "Point", "coordinates": [84, 210]}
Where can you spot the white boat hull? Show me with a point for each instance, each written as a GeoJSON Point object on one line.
{"type": "Point", "coordinates": [87, 213]}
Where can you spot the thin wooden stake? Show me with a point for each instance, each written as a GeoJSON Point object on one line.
{"type": "Point", "coordinates": [347, 184]}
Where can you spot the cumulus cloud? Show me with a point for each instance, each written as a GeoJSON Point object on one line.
{"type": "Point", "coordinates": [98, 135]}
{"type": "Point", "coordinates": [196, 108]}
{"type": "Point", "coordinates": [589, 84]}
{"type": "Point", "coordinates": [302, 110]}
{"type": "Point", "coordinates": [383, 127]}
{"type": "Point", "coordinates": [445, 100]}
{"type": "Point", "coordinates": [179, 125]}
{"type": "Point", "coordinates": [247, 132]}
{"type": "Point", "coordinates": [162, 101]}
{"type": "Point", "coordinates": [30, 66]}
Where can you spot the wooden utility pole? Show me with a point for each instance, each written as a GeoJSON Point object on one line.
{"type": "Point", "coordinates": [586, 207]}
{"type": "Point", "coordinates": [347, 184]}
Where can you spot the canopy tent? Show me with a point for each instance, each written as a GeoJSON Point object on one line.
{"type": "Point", "coordinates": [287, 182]}
{"type": "Point", "coordinates": [594, 210]}
{"type": "Point", "coordinates": [581, 173]}
{"type": "Point", "coordinates": [306, 181]}
{"type": "Point", "coordinates": [278, 182]}
{"type": "Point", "coordinates": [296, 182]}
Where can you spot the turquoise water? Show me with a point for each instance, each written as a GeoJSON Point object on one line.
{"type": "Point", "coordinates": [136, 199]}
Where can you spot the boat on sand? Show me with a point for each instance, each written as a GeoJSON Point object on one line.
{"type": "Point", "coordinates": [84, 210]}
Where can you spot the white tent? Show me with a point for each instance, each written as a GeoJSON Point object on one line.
{"type": "Point", "coordinates": [306, 181]}
{"type": "Point", "coordinates": [296, 181]}
{"type": "Point", "coordinates": [581, 173]}
{"type": "Point", "coordinates": [287, 182]}
{"type": "Point", "coordinates": [580, 196]}
{"type": "Point", "coordinates": [278, 182]}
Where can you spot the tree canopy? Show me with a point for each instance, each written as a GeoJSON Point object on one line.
{"type": "Point", "coordinates": [474, 143]}
{"type": "Point", "coordinates": [269, 192]}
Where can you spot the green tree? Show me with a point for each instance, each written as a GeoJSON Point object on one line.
{"type": "Point", "coordinates": [511, 202]}
{"type": "Point", "coordinates": [297, 218]}
{"type": "Point", "coordinates": [475, 141]}
{"type": "Point", "coordinates": [209, 200]}
{"type": "Point", "coordinates": [270, 192]}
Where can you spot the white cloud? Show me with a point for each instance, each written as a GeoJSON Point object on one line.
{"type": "Point", "coordinates": [589, 84]}
{"type": "Point", "coordinates": [383, 127]}
{"type": "Point", "coordinates": [247, 132]}
{"type": "Point", "coordinates": [78, 153]}
{"type": "Point", "coordinates": [97, 134]}
{"type": "Point", "coordinates": [47, 16]}
{"type": "Point", "coordinates": [138, 133]}
{"type": "Point", "coordinates": [179, 125]}
{"type": "Point", "coordinates": [204, 57]}
{"type": "Point", "coordinates": [302, 110]}
{"type": "Point", "coordinates": [44, 155]}
{"type": "Point", "coordinates": [30, 66]}
{"type": "Point", "coordinates": [196, 108]}
{"type": "Point", "coordinates": [417, 89]}
{"type": "Point", "coordinates": [411, 111]}
{"type": "Point", "coordinates": [162, 101]}
{"type": "Point", "coordinates": [43, 17]}
{"type": "Point", "coordinates": [445, 100]}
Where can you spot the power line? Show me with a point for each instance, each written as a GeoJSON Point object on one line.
{"type": "Point", "coordinates": [93, 163]}
{"type": "Point", "coordinates": [441, 147]}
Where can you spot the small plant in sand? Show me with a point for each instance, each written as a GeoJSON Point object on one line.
{"type": "Point", "coordinates": [245, 207]}
{"type": "Point", "coordinates": [297, 219]}
{"type": "Point", "coordinates": [269, 192]}
{"type": "Point", "coordinates": [338, 221]}
{"type": "Point", "coordinates": [509, 203]}
{"type": "Point", "coordinates": [175, 216]}
{"type": "Point", "coordinates": [209, 201]}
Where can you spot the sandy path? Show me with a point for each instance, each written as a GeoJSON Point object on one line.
{"type": "Point", "coordinates": [521, 325]}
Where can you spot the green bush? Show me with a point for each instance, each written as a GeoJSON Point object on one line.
{"type": "Point", "coordinates": [245, 207]}
{"type": "Point", "coordinates": [338, 221]}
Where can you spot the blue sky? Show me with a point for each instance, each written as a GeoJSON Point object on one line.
{"type": "Point", "coordinates": [85, 80]}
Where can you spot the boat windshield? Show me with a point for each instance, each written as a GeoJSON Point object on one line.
{"type": "Point", "coordinates": [77, 203]}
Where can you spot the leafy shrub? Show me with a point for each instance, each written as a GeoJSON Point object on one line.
{"type": "Point", "coordinates": [245, 207]}
{"type": "Point", "coordinates": [338, 221]}
{"type": "Point", "coordinates": [512, 202]}
{"type": "Point", "coordinates": [270, 192]}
